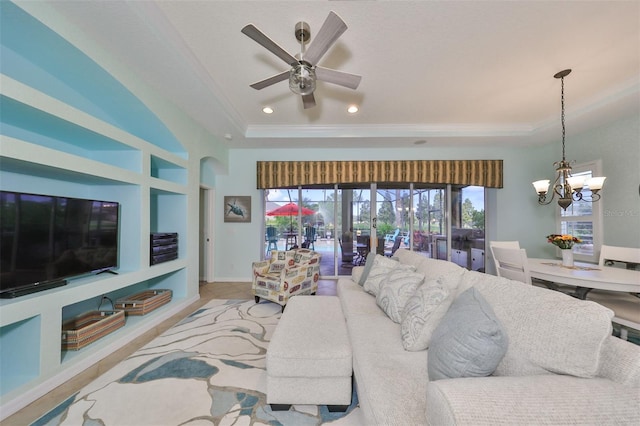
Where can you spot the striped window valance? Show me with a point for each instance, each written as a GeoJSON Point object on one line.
{"type": "Point", "coordinates": [290, 174]}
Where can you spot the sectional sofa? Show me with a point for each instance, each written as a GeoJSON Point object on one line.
{"type": "Point", "coordinates": [437, 344]}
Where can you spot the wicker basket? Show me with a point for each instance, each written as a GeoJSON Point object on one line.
{"type": "Point", "coordinates": [144, 302]}
{"type": "Point", "coordinates": [87, 328]}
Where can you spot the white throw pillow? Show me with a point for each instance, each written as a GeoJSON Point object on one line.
{"type": "Point", "coordinates": [423, 312]}
{"type": "Point", "coordinates": [396, 289]}
{"type": "Point", "coordinates": [381, 267]}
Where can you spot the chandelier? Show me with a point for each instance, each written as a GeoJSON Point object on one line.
{"type": "Point", "coordinates": [568, 188]}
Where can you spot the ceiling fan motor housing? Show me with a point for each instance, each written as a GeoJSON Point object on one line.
{"type": "Point", "coordinates": [302, 79]}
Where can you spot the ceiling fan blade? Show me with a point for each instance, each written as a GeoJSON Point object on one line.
{"type": "Point", "coordinates": [332, 28]}
{"type": "Point", "coordinates": [308, 101]}
{"type": "Point", "coordinates": [338, 77]}
{"type": "Point", "coordinates": [271, 80]}
{"type": "Point", "coordinates": [258, 36]}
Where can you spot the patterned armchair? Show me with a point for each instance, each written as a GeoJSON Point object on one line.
{"type": "Point", "coordinates": [286, 274]}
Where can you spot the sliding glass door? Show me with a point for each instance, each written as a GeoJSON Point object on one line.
{"type": "Point", "coordinates": [344, 223]}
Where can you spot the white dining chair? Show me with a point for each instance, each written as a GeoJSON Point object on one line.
{"type": "Point", "coordinates": [628, 255]}
{"type": "Point", "coordinates": [626, 307]}
{"type": "Point", "coordinates": [512, 263]}
{"type": "Point", "coordinates": [503, 244]}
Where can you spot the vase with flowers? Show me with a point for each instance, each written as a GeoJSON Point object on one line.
{"type": "Point", "coordinates": [565, 243]}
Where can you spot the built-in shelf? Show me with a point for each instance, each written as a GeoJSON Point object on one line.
{"type": "Point", "coordinates": [49, 147]}
{"type": "Point", "coordinates": [168, 171]}
{"type": "Point", "coordinates": [19, 353]}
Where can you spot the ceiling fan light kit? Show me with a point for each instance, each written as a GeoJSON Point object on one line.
{"type": "Point", "coordinates": [304, 71]}
{"type": "Point", "coordinates": [568, 188]}
{"type": "Point", "coordinates": [302, 79]}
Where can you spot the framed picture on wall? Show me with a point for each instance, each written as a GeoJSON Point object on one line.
{"type": "Point", "coordinates": [237, 208]}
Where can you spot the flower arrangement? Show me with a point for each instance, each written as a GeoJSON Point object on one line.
{"type": "Point", "coordinates": [565, 242]}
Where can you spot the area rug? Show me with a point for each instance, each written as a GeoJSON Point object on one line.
{"type": "Point", "coordinates": [209, 369]}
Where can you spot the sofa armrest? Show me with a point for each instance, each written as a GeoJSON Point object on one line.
{"type": "Point", "coordinates": [544, 399]}
{"type": "Point", "coordinates": [620, 362]}
{"type": "Point", "coordinates": [261, 267]}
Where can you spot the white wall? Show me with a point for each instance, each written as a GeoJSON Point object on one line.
{"type": "Point", "coordinates": [618, 146]}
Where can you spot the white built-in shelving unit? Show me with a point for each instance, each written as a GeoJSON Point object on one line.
{"type": "Point", "coordinates": [49, 147]}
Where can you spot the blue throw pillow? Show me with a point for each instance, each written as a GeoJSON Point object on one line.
{"type": "Point", "coordinates": [371, 257]}
{"type": "Point", "coordinates": [468, 342]}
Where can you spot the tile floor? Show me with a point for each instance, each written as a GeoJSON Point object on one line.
{"type": "Point", "coordinates": [208, 291]}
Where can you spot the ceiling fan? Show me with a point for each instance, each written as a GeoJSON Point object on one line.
{"type": "Point", "coordinates": [304, 70]}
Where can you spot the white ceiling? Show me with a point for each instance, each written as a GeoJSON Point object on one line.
{"type": "Point", "coordinates": [446, 72]}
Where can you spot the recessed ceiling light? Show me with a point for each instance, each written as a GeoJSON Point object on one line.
{"type": "Point", "coordinates": [352, 109]}
{"type": "Point", "coordinates": [267, 110]}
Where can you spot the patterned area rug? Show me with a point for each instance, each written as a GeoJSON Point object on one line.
{"type": "Point", "coordinates": [207, 370]}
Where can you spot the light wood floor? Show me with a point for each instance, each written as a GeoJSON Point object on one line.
{"type": "Point", "coordinates": [208, 291]}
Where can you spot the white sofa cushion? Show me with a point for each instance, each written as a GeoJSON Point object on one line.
{"type": "Point", "coordinates": [422, 314]}
{"type": "Point", "coordinates": [395, 290]}
{"type": "Point", "coordinates": [468, 342]}
{"type": "Point", "coordinates": [381, 267]}
{"type": "Point", "coordinates": [548, 331]}
{"type": "Point", "coordinates": [430, 268]}
{"type": "Point", "coordinates": [536, 400]}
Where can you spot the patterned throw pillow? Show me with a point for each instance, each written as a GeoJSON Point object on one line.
{"type": "Point", "coordinates": [396, 289]}
{"type": "Point", "coordinates": [381, 267]}
{"type": "Point", "coordinates": [422, 314]}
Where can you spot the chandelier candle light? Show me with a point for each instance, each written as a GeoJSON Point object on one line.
{"type": "Point", "coordinates": [568, 188]}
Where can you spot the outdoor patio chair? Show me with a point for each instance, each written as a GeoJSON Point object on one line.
{"type": "Point", "coordinates": [347, 252]}
{"type": "Point", "coordinates": [272, 238]}
{"type": "Point", "coordinates": [310, 237]}
{"type": "Point", "coordinates": [389, 238]}
{"type": "Point", "coordinates": [394, 248]}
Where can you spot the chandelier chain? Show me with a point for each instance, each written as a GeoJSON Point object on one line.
{"type": "Point", "coordinates": [562, 114]}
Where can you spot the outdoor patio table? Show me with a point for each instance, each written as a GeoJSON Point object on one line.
{"type": "Point", "coordinates": [291, 239]}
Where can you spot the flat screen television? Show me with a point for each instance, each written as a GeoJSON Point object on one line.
{"type": "Point", "coordinates": [45, 240]}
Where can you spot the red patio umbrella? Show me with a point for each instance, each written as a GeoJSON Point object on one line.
{"type": "Point", "coordinates": [290, 209]}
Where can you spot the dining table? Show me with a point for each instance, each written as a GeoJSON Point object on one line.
{"type": "Point", "coordinates": [585, 276]}
{"type": "Point", "coordinates": [291, 239]}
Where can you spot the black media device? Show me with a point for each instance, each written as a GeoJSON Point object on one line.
{"type": "Point", "coordinates": [46, 239]}
{"type": "Point", "coordinates": [164, 247]}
